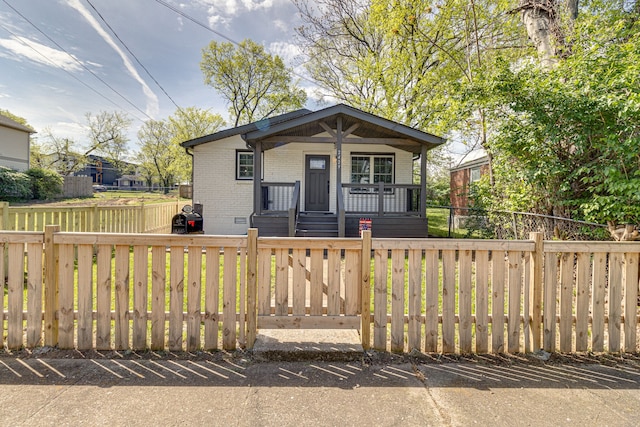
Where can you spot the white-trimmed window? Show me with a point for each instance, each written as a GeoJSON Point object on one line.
{"type": "Point", "coordinates": [474, 174]}
{"type": "Point", "coordinates": [244, 164]}
{"type": "Point", "coordinates": [372, 169]}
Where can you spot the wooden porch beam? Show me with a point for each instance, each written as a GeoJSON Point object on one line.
{"type": "Point", "coordinates": [423, 181]}
{"type": "Point", "coordinates": [332, 140]}
{"type": "Point", "coordinates": [351, 129]}
{"type": "Point", "coordinates": [327, 128]}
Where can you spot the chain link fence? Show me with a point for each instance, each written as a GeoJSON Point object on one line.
{"type": "Point", "coordinates": [476, 223]}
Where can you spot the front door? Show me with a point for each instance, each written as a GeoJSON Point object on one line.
{"type": "Point", "coordinates": [316, 193]}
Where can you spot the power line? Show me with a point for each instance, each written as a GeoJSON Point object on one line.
{"type": "Point", "coordinates": [219, 34]}
{"type": "Point", "coordinates": [19, 39]}
{"type": "Point", "coordinates": [76, 60]}
{"type": "Point", "coordinates": [132, 54]}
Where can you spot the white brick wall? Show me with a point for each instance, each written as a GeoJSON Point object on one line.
{"type": "Point", "coordinates": [225, 199]}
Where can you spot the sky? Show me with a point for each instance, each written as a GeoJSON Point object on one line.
{"type": "Point", "coordinates": [61, 59]}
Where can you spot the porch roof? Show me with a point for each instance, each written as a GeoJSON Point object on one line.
{"type": "Point", "coordinates": [304, 126]}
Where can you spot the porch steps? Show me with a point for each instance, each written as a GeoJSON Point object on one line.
{"type": "Point", "coordinates": [317, 224]}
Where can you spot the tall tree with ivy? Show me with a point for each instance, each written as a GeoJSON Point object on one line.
{"type": "Point", "coordinates": [567, 135]}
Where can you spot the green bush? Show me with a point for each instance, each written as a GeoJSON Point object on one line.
{"type": "Point", "coordinates": [14, 185]}
{"type": "Point", "coordinates": [45, 184]}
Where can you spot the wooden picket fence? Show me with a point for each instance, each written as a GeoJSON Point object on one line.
{"type": "Point", "coordinates": [143, 218]}
{"type": "Point", "coordinates": [177, 292]}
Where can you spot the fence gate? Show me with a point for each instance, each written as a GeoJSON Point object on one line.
{"type": "Point", "coordinates": [309, 283]}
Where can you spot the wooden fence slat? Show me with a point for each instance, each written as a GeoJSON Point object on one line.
{"type": "Point", "coordinates": [15, 297]}
{"type": "Point", "coordinates": [630, 301]}
{"type": "Point", "coordinates": [583, 277]}
{"type": "Point", "coordinates": [316, 282]}
{"type": "Point", "coordinates": [176, 297]}
{"type": "Point", "coordinates": [122, 297]}
{"type": "Point", "coordinates": [566, 301]}
{"type": "Point", "coordinates": [397, 300]}
{"type": "Point", "coordinates": [282, 282]}
{"type": "Point", "coordinates": [158, 296]}
{"type": "Point", "coordinates": [550, 296]}
{"type": "Point", "coordinates": [212, 298]}
{"type": "Point", "coordinates": [229, 298]}
{"type": "Point", "coordinates": [448, 301]}
{"type": "Point", "coordinates": [140, 296]}
{"type": "Point", "coordinates": [194, 292]}
{"type": "Point", "coordinates": [464, 301]}
{"type": "Point", "coordinates": [242, 306]}
{"type": "Point", "coordinates": [497, 301]}
{"type": "Point", "coordinates": [482, 301]}
{"type": "Point", "coordinates": [351, 281]}
{"type": "Point", "coordinates": [85, 297]}
{"type": "Point", "coordinates": [432, 270]}
{"type": "Point", "coordinates": [299, 281]}
{"type": "Point", "coordinates": [415, 299]}
{"type": "Point", "coordinates": [333, 282]}
{"type": "Point", "coordinates": [380, 300]}
{"type": "Point", "coordinates": [615, 300]}
{"type": "Point", "coordinates": [50, 286]}
{"type": "Point", "coordinates": [597, 300]}
{"type": "Point", "coordinates": [34, 292]}
{"type": "Point", "coordinates": [264, 282]}
{"type": "Point", "coordinates": [65, 301]}
{"type": "Point", "coordinates": [515, 301]}
{"type": "Point", "coordinates": [103, 298]}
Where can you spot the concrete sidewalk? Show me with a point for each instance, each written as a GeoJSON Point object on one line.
{"type": "Point", "coordinates": [222, 389]}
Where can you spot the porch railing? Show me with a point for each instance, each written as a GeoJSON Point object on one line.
{"type": "Point", "coordinates": [294, 209]}
{"type": "Point", "coordinates": [275, 197]}
{"type": "Point", "coordinates": [382, 199]}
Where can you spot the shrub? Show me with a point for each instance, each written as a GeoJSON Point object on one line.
{"type": "Point", "coordinates": [45, 184]}
{"type": "Point", "coordinates": [14, 185]}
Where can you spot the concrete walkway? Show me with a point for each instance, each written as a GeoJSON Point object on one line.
{"type": "Point", "coordinates": [376, 390]}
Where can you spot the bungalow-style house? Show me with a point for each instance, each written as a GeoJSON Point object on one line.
{"type": "Point", "coordinates": [15, 144]}
{"type": "Point", "coordinates": [321, 173]}
{"type": "Point", "coordinates": [469, 169]}
{"type": "Point", "coordinates": [131, 182]}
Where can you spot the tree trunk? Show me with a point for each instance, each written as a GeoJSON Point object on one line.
{"type": "Point", "coordinates": [539, 18]}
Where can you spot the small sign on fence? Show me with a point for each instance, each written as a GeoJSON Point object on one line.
{"type": "Point", "coordinates": [364, 224]}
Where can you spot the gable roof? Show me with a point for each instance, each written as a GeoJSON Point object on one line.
{"type": "Point", "coordinates": [302, 124]}
{"type": "Point", "coordinates": [9, 123]}
{"type": "Point", "coordinates": [473, 158]}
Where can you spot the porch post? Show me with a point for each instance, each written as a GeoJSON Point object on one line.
{"type": "Point", "coordinates": [338, 156]}
{"type": "Point", "coordinates": [423, 181]}
{"type": "Point", "coordinates": [257, 178]}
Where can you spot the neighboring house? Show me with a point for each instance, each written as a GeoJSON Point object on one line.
{"type": "Point", "coordinates": [469, 170]}
{"type": "Point", "coordinates": [100, 170]}
{"type": "Point", "coordinates": [305, 173]}
{"type": "Point", "coordinates": [14, 144]}
{"type": "Point", "coordinates": [131, 182]}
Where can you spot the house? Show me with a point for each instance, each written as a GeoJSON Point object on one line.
{"type": "Point", "coordinates": [313, 173]}
{"type": "Point", "coordinates": [100, 170]}
{"type": "Point", "coordinates": [469, 169]}
{"type": "Point", "coordinates": [131, 182]}
{"type": "Point", "coordinates": [14, 144]}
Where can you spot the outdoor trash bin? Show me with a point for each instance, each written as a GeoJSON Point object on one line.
{"type": "Point", "coordinates": [187, 222]}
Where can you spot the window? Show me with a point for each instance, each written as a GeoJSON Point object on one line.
{"type": "Point", "coordinates": [475, 174]}
{"type": "Point", "coordinates": [244, 164]}
{"type": "Point", "coordinates": [371, 169]}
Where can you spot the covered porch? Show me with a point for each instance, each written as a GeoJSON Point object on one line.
{"type": "Point", "coordinates": [329, 200]}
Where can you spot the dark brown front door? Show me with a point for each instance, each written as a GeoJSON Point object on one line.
{"type": "Point", "coordinates": [316, 193]}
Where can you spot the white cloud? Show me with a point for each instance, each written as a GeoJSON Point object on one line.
{"type": "Point", "coordinates": [23, 48]}
{"type": "Point", "coordinates": [153, 107]}
{"type": "Point", "coordinates": [290, 53]}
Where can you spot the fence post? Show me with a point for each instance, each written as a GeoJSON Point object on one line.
{"type": "Point", "coordinates": [5, 216]}
{"type": "Point", "coordinates": [365, 290]}
{"type": "Point", "coordinates": [252, 286]}
{"type": "Point", "coordinates": [535, 289]}
{"type": "Point", "coordinates": [51, 263]}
